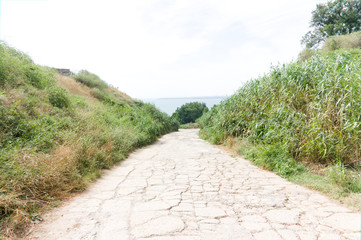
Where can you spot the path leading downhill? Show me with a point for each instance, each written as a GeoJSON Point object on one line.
{"type": "Point", "coordinates": [183, 188]}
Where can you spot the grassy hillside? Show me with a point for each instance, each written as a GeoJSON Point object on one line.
{"type": "Point", "coordinates": [57, 133]}
{"type": "Point", "coordinates": [305, 113]}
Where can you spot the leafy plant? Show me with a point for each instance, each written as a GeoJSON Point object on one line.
{"type": "Point", "coordinates": [189, 112]}
{"type": "Point", "coordinates": [58, 97]}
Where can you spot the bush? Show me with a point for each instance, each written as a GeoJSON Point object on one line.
{"type": "Point", "coordinates": [349, 41]}
{"type": "Point", "coordinates": [189, 112]}
{"type": "Point", "coordinates": [90, 79]}
{"type": "Point", "coordinates": [58, 97]}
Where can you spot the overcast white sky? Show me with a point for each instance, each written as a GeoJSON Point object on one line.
{"type": "Point", "coordinates": [160, 48]}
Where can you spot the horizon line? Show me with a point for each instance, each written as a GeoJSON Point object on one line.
{"type": "Point", "coordinates": [189, 97]}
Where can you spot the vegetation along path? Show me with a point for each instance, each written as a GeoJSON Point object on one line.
{"type": "Point", "coordinates": [184, 188]}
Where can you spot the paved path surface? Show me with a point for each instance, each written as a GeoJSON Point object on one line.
{"type": "Point", "coordinates": [182, 188]}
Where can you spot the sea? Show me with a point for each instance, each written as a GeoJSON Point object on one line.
{"type": "Point", "coordinates": [169, 105]}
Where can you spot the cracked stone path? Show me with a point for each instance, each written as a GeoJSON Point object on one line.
{"type": "Point", "coordinates": [182, 188]}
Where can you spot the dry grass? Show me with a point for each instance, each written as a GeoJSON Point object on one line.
{"type": "Point", "coordinates": [74, 87]}
{"type": "Point", "coordinates": [41, 188]}
{"type": "Point", "coordinates": [123, 96]}
{"type": "Point", "coordinates": [352, 200]}
{"type": "Point", "coordinates": [12, 97]}
{"type": "Point", "coordinates": [349, 41]}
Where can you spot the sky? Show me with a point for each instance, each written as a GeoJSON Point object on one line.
{"type": "Point", "coordinates": [160, 48]}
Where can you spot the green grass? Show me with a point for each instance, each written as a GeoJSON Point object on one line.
{"type": "Point", "coordinates": [53, 142]}
{"type": "Point", "coordinates": [327, 186]}
{"type": "Point", "coordinates": [90, 79]}
{"type": "Point", "coordinates": [189, 126]}
{"type": "Point", "coordinates": [273, 157]}
{"type": "Point", "coordinates": [303, 113]}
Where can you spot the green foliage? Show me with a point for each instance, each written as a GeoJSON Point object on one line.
{"type": "Point", "coordinates": [336, 17]}
{"type": "Point", "coordinates": [312, 108]}
{"type": "Point", "coordinates": [58, 97]}
{"type": "Point", "coordinates": [17, 68]}
{"type": "Point", "coordinates": [90, 79]}
{"type": "Point", "coordinates": [53, 142]}
{"type": "Point", "coordinates": [189, 112]}
{"type": "Point", "coordinates": [275, 158]}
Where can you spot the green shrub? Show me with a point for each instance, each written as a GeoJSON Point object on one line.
{"type": "Point", "coordinates": [90, 79]}
{"type": "Point", "coordinates": [189, 112]}
{"type": "Point", "coordinates": [39, 77]}
{"type": "Point", "coordinates": [58, 97]}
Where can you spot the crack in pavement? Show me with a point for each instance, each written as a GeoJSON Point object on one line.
{"type": "Point", "coordinates": [184, 188]}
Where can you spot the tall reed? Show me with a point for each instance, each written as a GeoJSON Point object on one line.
{"type": "Point", "coordinates": [313, 108]}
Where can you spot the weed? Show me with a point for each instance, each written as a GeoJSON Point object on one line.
{"type": "Point", "coordinates": [348, 179]}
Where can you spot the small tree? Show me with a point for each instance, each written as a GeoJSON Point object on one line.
{"type": "Point", "coordinates": [336, 17]}
{"type": "Point", "coordinates": [189, 112]}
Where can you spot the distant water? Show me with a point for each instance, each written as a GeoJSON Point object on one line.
{"type": "Point", "coordinates": [169, 105]}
